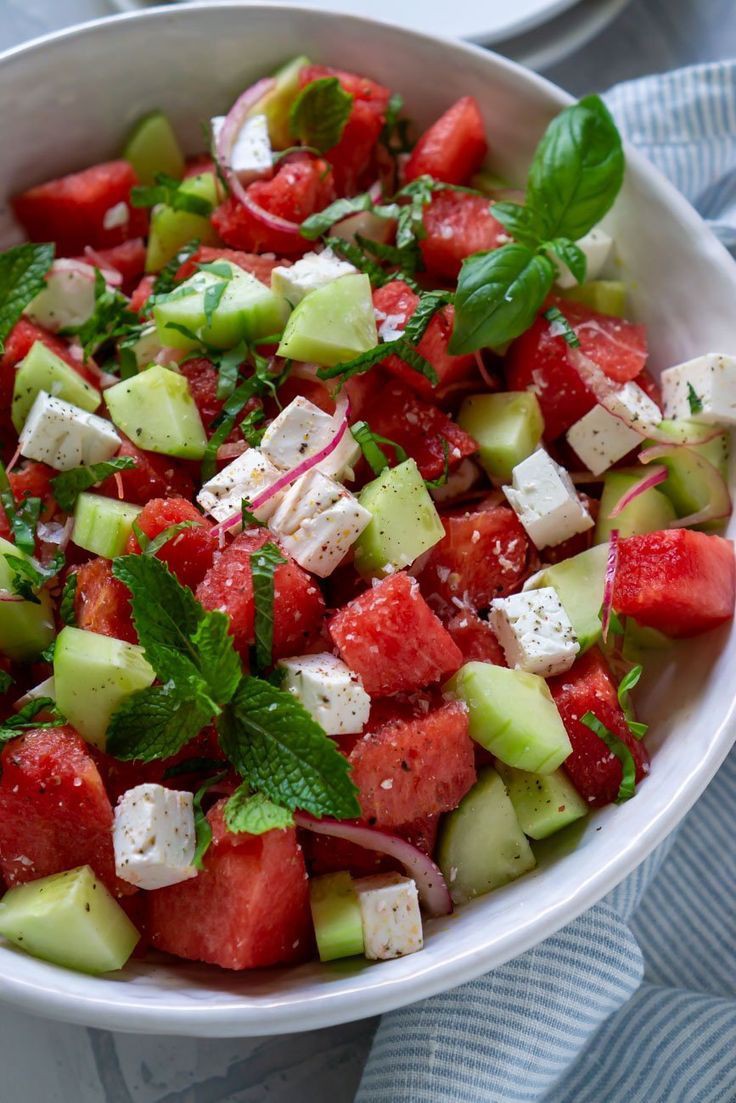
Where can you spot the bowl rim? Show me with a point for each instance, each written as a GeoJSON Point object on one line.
{"type": "Point", "coordinates": [57, 993]}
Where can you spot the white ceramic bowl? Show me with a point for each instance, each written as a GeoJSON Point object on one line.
{"type": "Point", "coordinates": [68, 100]}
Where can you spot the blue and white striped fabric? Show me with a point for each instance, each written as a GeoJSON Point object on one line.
{"type": "Point", "coordinates": [634, 1002]}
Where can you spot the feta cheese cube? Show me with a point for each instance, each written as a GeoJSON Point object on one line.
{"type": "Point", "coordinates": [63, 436]}
{"type": "Point", "coordinates": [329, 690]}
{"type": "Point", "coordinates": [251, 155]}
{"type": "Point", "coordinates": [535, 632]}
{"type": "Point", "coordinates": [68, 299]}
{"type": "Point", "coordinates": [116, 216]}
{"type": "Point", "coordinates": [543, 497]}
{"type": "Point", "coordinates": [310, 273]}
{"type": "Point", "coordinates": [153, 837]}
{"type": "Point", "coordinates": [246, 477]}
{"type": "Point", "coordinates": [634, 406]}
{"type": "Point", "coordinates": [707, 382]}
{"type": "Point", "coordinates": [596, 245]}
{"type": "Point", "coordinates": [601, 439]}
{"type": "Point", "coordinates": [318, 522]}
{"type": "Point", "coordinates": [389, 911]}
{"type": "Point", "coordinates": [301, 430]}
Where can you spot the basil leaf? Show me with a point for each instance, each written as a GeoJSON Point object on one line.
{"type": "Point", "coordinates": [320, 112]}
{"type": "Point", "coordinates": [577, 170]}
{"type": "Point", "coordinates": [202, 828]}
{"type": "Point", "coordinates": [263, 564]}
{"type": "Point", "coordinates": [498, 296]}
{"type": "Point", "coordinates": [318, 224]}
{"type": "Point", "coordinates": [68, 599]}
{"type": "Point", "coordinates": [228, 369]}
{"type": "Point", "coordinates": [168, 190]}
{"type": "Point", "coordinates": [249, 427]}
{"type": "Point", "coordinates": [570, 254]}
{"type": "Point", "coordinates": [523, 223]}
{"type": "Point", "coordinates": [212, 296]}
{"type": "Point", "coordinates": [22, 276]}
{"type": "Point", "coordinates": [254, 814]}
{"type": "Point", "coordinates": [369, 442]}
{"type": "Point", "coordinates": [559, 326]}
{"type": "Point", "coordinates": [408, 259]}
{"type": "Point", "coordinates": [627, 683]}
{"type": "Point", "coordinates": [67, 486]}
{"type": "Point", "coordinates": [616, 746]}
{"type": "Point", "coordinates": [153, 723]}
{"type": "Point", "coordinates": [428, 305]}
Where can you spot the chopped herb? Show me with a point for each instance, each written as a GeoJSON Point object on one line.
{"type": "Point", "coordinates": [6, 681]}
{"type": "Point", "coordinates": [616, 746]}
{"type": "Point", "coordinates": [68, 599]}
{"type": "Point", "coordinates": [22, 516]}
{"type": "Point", "coordinates": [626, 684]}
{"type": "Point", "coordinates": [67, 486]}
{"type": "Point", "coordinates": [559, 326]}
{"type": "Point", "coordinates": [112, 318]}
{"type": "Point", "coordinates": [170, 191]}
{"type": "Point", "coordinates": [693, 400]}
{"type": "Point", "coordinates": [23, 271]}
{"type": "Point", "coordinates": [433, 484]}
{"type": "Point", "coordinates": [202, 829]}
{"type": "Point", "coordinates": [253, 813]}
{"type": "Point", "coordinates": [166, 279]}
{"type": "Point", "coordinates": [263, 564]}
{"type": "Point", "coordinates": [26, 719]}
{"type": "Point", "coordinates": [158, 542]}
{"type": "Point", "coordinates": [320, 112]}
{"type": "Point", "coordinates": [369, 442]}
{"type": "Point", "coordinates": [247, 518]}
{"type": "Point", "coordinates": [355, 255]}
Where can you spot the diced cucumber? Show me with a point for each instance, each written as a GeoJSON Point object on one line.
{"type": "Point", "coordinates": [579, 585]}
{"type": "Point", "coordinates": [638, 641]}
{"type": "Point", "coordinates": [43, 370]}
{"type": "Point", "coordinates": [333, 324]}
{"type": "Point", "coordinates": [605, 296]}
{"type": "Point", "coordinates": [404, 521]}
{"type": "Point", "coordinates": [336, 916]}
{"type": "Point", "coordinates": [276, 104]}
{"type": "Point", "coordinates": [512, 715]}
{"type": "Point", "coordinates": [544, 803]}
{"type": "Point", "coordinates": [685, 486]}
{"type": "Point", "coordinates": [482, 846]}
{"type": "Point", "coordinates": [69, 919]}
{"type": "Point", "coordinates": [156, 410]}
{"type": "Point", "coordinates": [93, 674]}
{"type": "Point", "coordinates": [102, 525]}
{"type": "Point", "coordinates": [171, 230]}
{"type": "Point", "coordinates": [508, 427]}
{"type": "Point", "coordinates": [651, 511]}
{"type": "Point", "coordinates": [246, 310]}
{"type": "Point", "coordinates": [152, 147]}
{"type": "Point", "coordinates": [26, 629]}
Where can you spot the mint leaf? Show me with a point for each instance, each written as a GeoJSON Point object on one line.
{"type": "Point", "coordinates": [523, 223]}
{"type": "Point", "coordinates": [27, 578]}
{"type": "Point", "coordinates": [577, 170]}
{"type": "Point", "coordinates": [153, 723]}
{"type": "Point", "coordinates": [627, 683]}
{"type": "Point", "coordinates": [560, 326]}
{"type": "Point", "coordinates": [69, 485]}
{"type": "Point", "coordinates": [218, 659]}
{"type": "Point", "coordinates": [160, 541]}
{"type": "Point", "coordinates": [228, 369]}
{"type": "Point", "coordinates": [401, 347]}
{"type": "Point", "coordinates": [429, 303]}
{"type": "Point", "coordinates": [694, 400]}
{"type": "Point", "coordinates": [254, 814]}
{"type": "Point", "coordinates": [320, 112]}
{"type": "Point", "coordinates": [408, 259]}
{"type": "Point", "coordinates": [318, 224]}
{"type": "Point", "coordinates": [166, 279]}
{"type": "Point", "coordinates": [570, 254]}
{"type": "Point", "coordinates": [112, 318]}
{"type": "Point", "coordinates": [168, 190]}
{"type": "Point", "coordinates": [22, 276]}
{"type": "Point", "coordinates": [369, 442]}
{"type": "Point", "coordinates": [498, 296]}
{"type": "Point", "coordinates": [250, 429]}
{"type": "Point", "coordinates": [25, 719]}
{"type": "Point", "coordinates": [202, 828]}
{"type": "Point", "coordinates": [274, 743]}
{"type": "Point", "coordinates": [68, 599]}
{"type": "Point", "coordinates": [351, 252]}
{"type": "Point", "coordinates": [616, 746]}
{"type": "Point", "coordinates": [263, 564]}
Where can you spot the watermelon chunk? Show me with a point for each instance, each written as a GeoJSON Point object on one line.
{"type": "Point", "coordinates": [258, 265]}
{"type": "Point", "coordinates": [248, 907]}
{"type": "Point", "coordinates": [392, 639]}
{"type": "Point", "coordinates": [102, 602]}
{"type": "Point", "coordinates": [453, 148]}
{"type": "Point", "coordinates": [457, 224]}
{"type": "Point", "coordinates": [678, 581]}
{"type": "Point", "coordinates": [475, 638]}
{"type": "Point", "coordinates": [142, 293]}
{"type": "Point", "coordinates": [129, 259]}
{"type": "Point", "coordinates": [326, 854]}
{"type": "Point", "coordinates": [298, 605]}
{"type": "Point", "coordinates": [589, 687]}
{"type": "Point", "coordinates": [484, 554]}
{"type": "Point", "coordinates": [153, 476]}
{"type": "Point", "coordinates": [188, 554]}
{"type": "Point", "coordinates": [409, 768]}
{"type": "Point", "coordinates": [54, 811]}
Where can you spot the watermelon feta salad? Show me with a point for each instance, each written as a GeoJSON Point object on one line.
{"type": "Point", "coordinates": [340, 515]}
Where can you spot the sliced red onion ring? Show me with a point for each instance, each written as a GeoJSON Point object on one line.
{"type": "Point", "coordinates": [653, 478]}
{"type": "Point", "coordinates": [431, 885]}
{"type": "Point", "coordinates": [719, 505]}
{"type": "Point", "coordinates": [13, 460]}
{"type": "Point", "coordinates": [485, 375]}
{"type": "Point", "coordinates": [610, 578]}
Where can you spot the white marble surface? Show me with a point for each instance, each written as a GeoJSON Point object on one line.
{"type": "Point", "coordinates": [45, 1062]}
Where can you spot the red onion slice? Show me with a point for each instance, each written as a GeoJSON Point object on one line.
{"type": "Point", "coordinates": [5, 595]}
{"type": "Point", "coordinates": [431, 885]}
{"type": "Point", "coordinates": [719, 505]}
{"type": "Point", "coordinates": [653, 478]}
{"type": "Point", "coordinates": [610, 578]}
{"type": "Point", "coordinates": [485, 375]}
{"type": "Point", "coordinates": [112, 276]}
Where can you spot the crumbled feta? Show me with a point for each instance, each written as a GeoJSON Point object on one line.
{"type": "Point", "coordinates": [596, 245]}
{"type": "Point", "coordinates": [634, 406]}
{"type": "Point", "coordinates": [707, 382]}
{"type": "Point", "coordinates": [154, 836]}
{"type": "Point", "coordinates": [300, 431]}
{"type": "Point", "coordinates": [535, 632]}
{"type": "Point", "coordinates": [318, 522]}
{"type": "Point", "coordinates": [251, 155]}
{"type": "Point", "coordinates": [329, 690]}
{"type": "Point", "coordinates": [63, 436]}
{"type": "Point", "coordinates": [116, 216]}
{"type": "Point", "coordinates": [68, 299]}
{"type": "Point", "coordinates": [389, 912]}
{"type": "Point", "coordinates": [310, 273]}
{"type": "Point", "coordinates": [246, 477]}
{"type": "Point", "coordinates": [601, 439]}
{"type": "Point", "coordinates": [543, 497]}
{"type": "Point", "coordinates": [390, 326]}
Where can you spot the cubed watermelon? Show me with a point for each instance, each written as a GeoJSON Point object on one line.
{"type": "Point", "coordinates": [258, 265]}
{"type": "Point", "coordinates": [678, 581]}
{"type": "Point", "coordinates": [189, 553]}
{"type": "Point", "coordinates": [248, 907]}
{"type": "Point", "coordinates": [142, 293]}
{"type": "Point", "coordinates": [129, 259]}
{"type": "Point", "coordinates": [453, 148]}
{"type": "Point", "coordinates": [33, 480]}
{"type": "Point", "coordinates": [154, 476]}
{"type": "Point", "coordinates": [102, 602]}
{"type": "Point", "coordinates": [457, 224]}
{"type": "Point", "coordinates": [392, 639]}
{"type": "Point", "coordinates": [475, 638]}
{"type": "Point", "coordinates": [589, 687]}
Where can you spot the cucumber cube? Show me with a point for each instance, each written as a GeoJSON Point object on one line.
{"type": "Point", "coordinates": [336, 916]}
{"type": "Point", "coordinates": [152, 147]}
{"type": "Point", "coordinates": [102, 525]}
{"type": "Point", "coordinates": [685, 486]}
{"type": "Point", "coordinates": [43, 370]}
{"type": "Point", "coordinates": [482, 846]}
{"type": "Point", "coordinates": [26, 629]}
{"type": "Point", "coordinates": [333, 324]}
{"type": "Point", "coordinates": [512, 715]}
{"type": "Point", "coordinates": [93, 675]}
{"type": "Point", "coordinates": [69, 919]}
{"type": "Point", "coordinates": [246, 309]}
{"type": "Point", "coordinates": [579, 584]}
{"type": "Point", "coordinates": [508, 427]}
{"type": "Point", "coordinates": [544, 803]}
{"type": "Point", "coordinates": [277, 102]}
{"type": "Point", "coordinates": [404, 521]}
{"type": "Point", "coordinates": [650, 512]}
{"type": "Point", "coordinates": [171, 230]}
{"type": "Point", "coordinates": [605, 296]}
{"type": "Point", "coordinates": [156, 410]}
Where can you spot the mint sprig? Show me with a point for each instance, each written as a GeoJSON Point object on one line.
{"type": "Point", "coordinates": [67, 486]}
{"type": "Point", "coordinates": [155, 723]}
{"type": "Point", "coordinates": [320, 112]}
{"type": "Point", "coordinates": [263, 564]}
{"type": "Point", "coordinates": [23, 272]}
{"type": "Point", "coordinates": [369, 443]}
{"type": "Point", "coordinates": [68, 599]}
{"type": "Point", "coordinates": [202, 828]}
{"type": "Point", "coordinates": [111, 319]}
{"type": "Point", "coordinates": [168, 190]}
{"type": "Point", "coordinates": [616, 746]}
{"type": "Point", "coordinates": [253, 813]}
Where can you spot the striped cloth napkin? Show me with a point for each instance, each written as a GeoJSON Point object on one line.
{"type": "Point", "coordinates": [634, 1002]}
